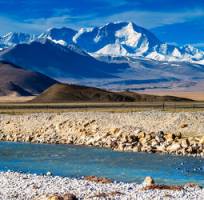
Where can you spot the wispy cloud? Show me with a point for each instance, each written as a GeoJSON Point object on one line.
{"type": "Point", "coordinates": [198, 45]}
{"type": "Point", "coordinates": [142, 18]}
{"type": "Point", "coordinates": [148, 19]}
{"type": "Point", "coordinates": [39, 25]}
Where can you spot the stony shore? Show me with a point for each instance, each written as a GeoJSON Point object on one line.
{"type": "Point", "coordinates": [17, 186]}
{"type": "Point", "coordinates": [179, 133]}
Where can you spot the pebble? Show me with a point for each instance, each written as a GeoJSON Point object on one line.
{"type": "Point", "coordinates": [49, 173]}
{"type": "Point", "coordinates": [18, 186]}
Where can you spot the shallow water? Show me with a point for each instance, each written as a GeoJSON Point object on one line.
{"type": "Point", "coordinates": [77, 161]}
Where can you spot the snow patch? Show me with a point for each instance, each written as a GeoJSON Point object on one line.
{"type": "Point", "coordinates": [61, 42]}
{"type": "Point", "coordinates": [128, 36]}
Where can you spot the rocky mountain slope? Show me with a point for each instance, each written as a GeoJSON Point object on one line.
{"type": "Point", "coordinates": [59, 93]}
{"type": "Point", "coordinates": [72, 93]}
{"type": "Point", "coordinates": [59, 35]}
{"type": "Point", "coordinates": [17, 81]}
{"type": "Point", "coordinates": [58, 61]}
{"type": "Point", "coordinates": [117, 56]}
{"type": "Point", "coordinates": [12, 39]}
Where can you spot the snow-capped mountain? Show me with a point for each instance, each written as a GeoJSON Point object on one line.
{"type": "Point", "coordinates": [61, 36]}
{"type": "Point", "coordinates": [124, 39]}
{"type": "Point", "coordinates": [129, 40]}
{"type": "Point", "coordinates": [171, 53]}
{"type": "Point", "coordinates": [118, 40]}
{"type": "Point", "coordinates": [57, 61]}
{"type": "Point", "coordinates": [133, 58]}
{"type": "Point", "coordinates": [12, 39]}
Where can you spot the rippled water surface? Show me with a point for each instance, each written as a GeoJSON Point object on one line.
{"type": "Point", "coordinates": [77, 161]}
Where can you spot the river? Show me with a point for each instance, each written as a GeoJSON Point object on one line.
{"type": "Point", "coordinates": [78, 161]}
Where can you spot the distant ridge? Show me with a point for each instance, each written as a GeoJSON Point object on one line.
{"type": "Point", "coordinates": [11, 89]}
{"type": "Point", "coordinates": [17, 81]}
{"type": "Point", "coordinates": [72, 93]}
{"type": "Point", "coordinates": [60, 93]}
{"type": "Point", "coordinates": [117, 56]}
{"type": "Point", "coordinates": [57, 61]}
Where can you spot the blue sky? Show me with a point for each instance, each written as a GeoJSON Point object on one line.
{"type": "Point", "coordinates": [175, 21]}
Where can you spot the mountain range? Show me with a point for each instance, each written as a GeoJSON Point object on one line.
{"type": "Point", "coordinates": [113, 39]}
{"type": "Point", "coordinates": [58, 61]}
{"type": "Point", "coordinates": [119, 55]}
{"type": "Point", "coordinates": [17, 81]}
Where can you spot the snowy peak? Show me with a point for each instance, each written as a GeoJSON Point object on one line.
{"type": "Point", "coordinates": [166, 52]}
{"type": "Point", "coordinates": [132, 35]}
{"type": "Point", "coordinates": [115, 39]}
{"type": "Point", "coordinates": [115, 49]}
{"type": "Point", "coordinates": [12, 39]}
{"type": "Point", "coordinates": [127, 35]}
{"type": "Point", "coordinates": [61, 36]}
{"type": "Point", "coordinates": [121, 39]}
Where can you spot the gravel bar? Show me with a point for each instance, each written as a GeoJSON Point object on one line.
{"type": "Point", "coordinates": [18, 186]}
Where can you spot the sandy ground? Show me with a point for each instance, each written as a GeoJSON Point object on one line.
{"type": "Point", "coordinates": [195, 92]}
{"type": "Point", "coordinates": [14, 99]}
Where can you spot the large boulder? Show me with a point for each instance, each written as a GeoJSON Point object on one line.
{"type": "Point", "coordinates": [148, 181]}
{"type": "Point", "coordinates": [184, 143]}
{"type": "Point", "coordinates": [169, 137]}
{"type": "Point", "coordinates": [201, 140]}
{"type": "Point", "coordinates": [67, 196]}
{"type": "Point", "coordinates": [49, 197]}
{"type": "Point", "coordinates": [174, 147]}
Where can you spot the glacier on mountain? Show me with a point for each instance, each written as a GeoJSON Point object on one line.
{"type": "Point", "coordinates": [124, 40]}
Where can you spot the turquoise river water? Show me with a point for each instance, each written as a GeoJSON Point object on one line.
{"type": "Point", "coordinates": [77, 161]}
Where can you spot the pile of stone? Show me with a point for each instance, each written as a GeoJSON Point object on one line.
{"type": "Point", "coordinates": [87, 129]}
{"type": "Point", "coordinates": [119, 139]}
{"type": "Point", "coordinates": [160, 142]}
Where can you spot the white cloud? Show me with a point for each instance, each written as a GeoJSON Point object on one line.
{"type": "Point", "coordinates": [143, 18]}
{"type": "Point", "coordinates": [198, 45]}
{"type": "Point", "coordinates": [152, 19]}
{"type": "Point", "coordinates": [36, 25]}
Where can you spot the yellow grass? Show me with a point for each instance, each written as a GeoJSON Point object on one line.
{"type": "Point", "coordinates": [21, 108]}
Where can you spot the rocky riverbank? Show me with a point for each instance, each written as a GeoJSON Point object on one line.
{"type": "Point", "coordinates": [17, 186]}
{"type": "Point", "coordinates": [156, 131]}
